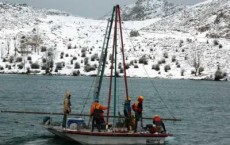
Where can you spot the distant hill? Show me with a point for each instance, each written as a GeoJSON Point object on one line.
{"type": "Point", "coordinates": [148, 9]}
{"type": "Point", "coordinates": [210, 17]}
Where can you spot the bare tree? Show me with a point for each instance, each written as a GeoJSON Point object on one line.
{"type": "Point", "coordinates": [15, 46]}
{"type": "Point", "coordinates": [23, 46]}
{"type": "Point", "coordinates": [8, 45]}
{"type": "Point", "coordinates": [50, 56]}
{"type": "Point", "coordinates": [195, 58]}
{"type": "Point", "coordinates": [36, 42]}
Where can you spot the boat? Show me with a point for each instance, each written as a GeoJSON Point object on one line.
{"type": "Point", "coordinates": [112, 134]}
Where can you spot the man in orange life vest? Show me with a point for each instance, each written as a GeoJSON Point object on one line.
{"type": "Point", "coordinates": [96, 111]}
{"type": "Point", "coordinates": [137, 108]}
{"type": "Point", "coordinates": [159, 123]}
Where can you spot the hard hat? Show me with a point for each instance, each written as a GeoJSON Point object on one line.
{"type": "Point", "coordinates": [68, 94]}
{"type": "Point", "coordinates": [129, 98]}
{"type": "Point", "coordinates": [156, 116]}
{"type": "Point", "coordinates": [140, 98]}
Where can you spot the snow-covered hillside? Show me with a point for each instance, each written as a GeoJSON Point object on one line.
{"type": "Point", "coordinates": [51, 42]}
{"type": "Point", "coordinates": [212, 18]}
{"type": "Point", "coordinates": [148, 9]}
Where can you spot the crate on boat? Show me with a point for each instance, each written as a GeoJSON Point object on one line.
{"type": "Point", "coordinates": [75, 123]}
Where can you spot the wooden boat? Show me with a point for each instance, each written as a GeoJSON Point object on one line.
{"type": "Point", "coordinates": [114, 135]}
{"type": "Point", "coordinates": [85, 136]}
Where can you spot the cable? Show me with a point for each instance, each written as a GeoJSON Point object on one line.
{"type": "Point", "coordinates": [152, 82]}
{"type": "Point", "coordinates": [87, 98]}
{"type": "Point", "coordinates": [159, 94]}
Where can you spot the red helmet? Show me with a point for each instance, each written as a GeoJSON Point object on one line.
{"type": "Point", "coordinates": [140, 98]}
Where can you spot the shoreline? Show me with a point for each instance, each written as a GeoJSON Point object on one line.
{"type": "Point", "coordinates": [198, 78]}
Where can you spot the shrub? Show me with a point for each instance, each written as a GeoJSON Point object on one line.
{"type": "Point", "coordinates": [89, 68]}
{"type": "Point", "coordinates": [44, 67]}
{"type": "Point", "coordinates": [156, 67]}
{"type": "Point", "coordinates": [59, 66]}
{"type": "Point", "coordinates": [1, 68]}
{"type": "Point", "coordinates": [66, 55]}
{"type": "Point", "coordinates": [173, 58]}
{"type": "Point", "coordinates": [127, 65]}
{"type": "Point", "coordinates": [20, 66]}
{"type": "Point", "coordinates": [220, 46]}
{"type": "Point", "coordinates": [43, 60]}
{"type": "Point", "coordinates": [167, 67]}
{"type": "Point", "coordinates": [77, 65]}
{"type": "Point", "coordinates": [74, 58]}
{"type": "Point", "coordinates": [186, 58]}
{"type": "Point", "coordinates": [143, 60]}
{"type": "Point", "coordinates": [50, 53]}
{"type": "Point", "coordinates": [35, 66]}
{"type": "Point", "coordinates": [94, 57]}
{"type": "Point", "coordinates": [18, 59]}
{"type": "Point", "coordinates": [29, 58]}
{"type": "Point", "coordinates": [165, 55]}
{"type": "Point", "coordinates": [200, 70]}
{"type": "Point", "coordinates": [181, 43]}
{"type": "Point", "coordinates": [11, 59]}
{"type": "Point", "coordinates": [86, 61]}
{"type": "Point", "coordinates": [83, 54]}
{"type": "Point", "coordinates": [119, 66]}
{"type": "Point", "coordinates": [121, 70]}
{"type": "Point", "coordinates": [76, 73]}
{"type": "Point", "coordinates": [161, 61]}
{"type": "Point", "coordinates": [69, 46]}
{"type": "Point", "coordinates": [134, 33]}
{"type": "Point", "coordinates": [131, 62]}
{"type": "Point", "coordinates": [43, 48]}
{"type": "Point", "coordinates": [182, 72]}
{"type": "Point", "coordinates": [136, 66]}
{"type": "Point", "coordinates": [28, 70]}
{"type": "Point", "coordinates": [193, 72]}
{"type": "Point", "coordinates": [218, 75]}
{"type": "Point", "coordinates": [4, 60]}
{"type": "Point", "coordinates": [215, 42]}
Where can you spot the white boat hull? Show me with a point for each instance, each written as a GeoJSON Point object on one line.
{"type": "Point", "coordinates": [108, 138]}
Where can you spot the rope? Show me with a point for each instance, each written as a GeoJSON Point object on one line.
{"type": "Point", "coordinates": [87, 98]}
{"type": "Point", "coordinates": [170, 112]}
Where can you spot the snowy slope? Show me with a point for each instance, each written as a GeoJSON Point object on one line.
{"type": "Point", "coordinates": [147, 9]}
{"type": "Point", "coordinates": [34, 40]}
{"type": "Point", "coordinates": [212, 18]}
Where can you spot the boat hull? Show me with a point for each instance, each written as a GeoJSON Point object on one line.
{"type": "Point", "coordinates": [109, 138]}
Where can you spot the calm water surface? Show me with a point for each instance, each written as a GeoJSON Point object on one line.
{"type": "Point", "coordinates": [203, 107]}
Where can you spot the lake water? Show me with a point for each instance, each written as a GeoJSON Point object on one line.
{"type": "Point", "coordinates": [203, 107]}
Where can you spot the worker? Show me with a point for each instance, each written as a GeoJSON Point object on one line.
{"type": "Point", "coordinates": [66, 108]}
{"type": "Point", "coordinates": [159, 124]}
{"type": "Point", "coordinates": [137, 108]}
{"type": "Point", "coordinates": [127, 113]}
{"type": "Point", "coordinates": [96, 111]}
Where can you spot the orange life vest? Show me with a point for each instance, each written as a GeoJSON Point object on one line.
{"type": "Point", "coordinates": [136, 107]}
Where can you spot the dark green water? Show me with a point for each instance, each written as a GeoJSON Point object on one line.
{"type": "Point", "coordinates": [203, 107]}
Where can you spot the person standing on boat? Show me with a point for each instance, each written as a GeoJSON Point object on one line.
{"type": "Point", "coordinates": [96, 111]}
{"type": "Point", "coordinates": [67, 108]}
{"type": "Point", "coordinates": [137, 108]}
{"type": "Point", "coordinates": [127, 113]}
{"type": "Point", "coordinates": [159, 124]}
